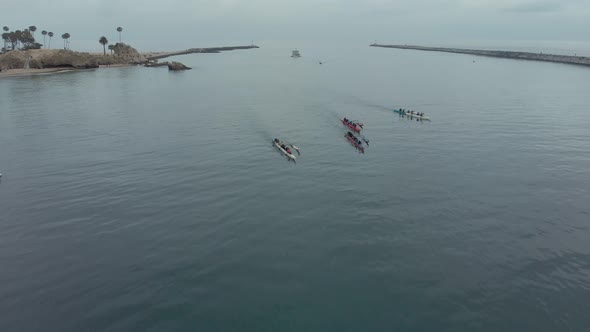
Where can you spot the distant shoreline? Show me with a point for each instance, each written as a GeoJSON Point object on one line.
{"type": "Point", "coordinates": [64, 61]}
{"type": "Point", "coordinates": [555, 58]}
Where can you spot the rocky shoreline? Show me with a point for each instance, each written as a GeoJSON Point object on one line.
{"type": "Point", "coordinates": [565, 59]}
{"type": "Point", "coordinates": [44, 61]}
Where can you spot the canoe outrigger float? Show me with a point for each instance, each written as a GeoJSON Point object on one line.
{"type": "Point", "coordinates": [284, 148]}
{"type": "Point", "coordinates": [354, 141]}
{"type": "Point", "coordinates": [353, 125]}
{"type": "Point", "coordinates": [411, 115]}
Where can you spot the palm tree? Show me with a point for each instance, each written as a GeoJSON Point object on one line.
{"type": "Point", "coordinates": [33, 28]}
{"type": "Point", "coordinates": [17, 36]}
{"type": "Point", "coordinates": [119, 29]}
{"type": "Point", "coordinates": [5, 35]}
{"type": "Point", "coordinates": [44, 33]}
{"type": "Point", "coordinates": [13, 37]}
{"type": "Point", "coordinates": [104, 41]}
{"type": "Point", "coordinates": [50, 34]}
{"type": "Point", "coordinates": [66, 36]}
{"type": "Point", "coordinates": [111, 48]}
{"type": "Point", "coordinates": [26, 39]}
{"type": "Point", "coordinates": [26, 33]}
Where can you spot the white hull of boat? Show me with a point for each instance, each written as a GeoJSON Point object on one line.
{"type": "Point", "coordinates": [289, 155]}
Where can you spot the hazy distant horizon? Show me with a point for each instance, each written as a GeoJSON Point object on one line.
{"type": "Point", "coordinates": [176, 24]}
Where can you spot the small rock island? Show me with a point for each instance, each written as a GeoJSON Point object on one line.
{"type": "Point", "coordinates": [175, 66]}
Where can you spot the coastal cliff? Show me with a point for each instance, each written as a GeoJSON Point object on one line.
{"type": "Point", "coordinates": [566, 59]}
{"type": "Point", "coordinates": [44, 59]}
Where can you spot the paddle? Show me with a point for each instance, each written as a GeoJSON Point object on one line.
{"type": "Point", "coordinates": [295, 147]}
{"type": "Point", "coordinates": [357, 122]}
{"type": "Point", "coordinates": [292, 145]}
{"type": "Point", "coordinates": [365, 139]}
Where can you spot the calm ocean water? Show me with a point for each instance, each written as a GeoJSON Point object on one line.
{"type": "Point", "coordinates": [136, 199]}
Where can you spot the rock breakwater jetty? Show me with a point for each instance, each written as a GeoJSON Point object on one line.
{"type": "Point", "coordinates": [162, 55]}
{"type": "Point", "coordinates": [556, 58]}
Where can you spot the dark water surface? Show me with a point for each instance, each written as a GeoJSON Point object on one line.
{"type": "Point", "coordinates": [135, 199]}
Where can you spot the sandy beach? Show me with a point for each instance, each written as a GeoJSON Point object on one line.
{"type": "Point", "coordinates": [118, 65]}
{"type": "Point", "coordinates": [33, 72]}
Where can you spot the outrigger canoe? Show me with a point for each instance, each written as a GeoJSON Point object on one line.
{"type": "Point", "coordinates": [354, 141]}
{"type": "Point", "coordinates": [410, 115]}
{"type": "Point", "coordinates": [278, 145]}
{"type": "Point", "coordinates": [353, 125]}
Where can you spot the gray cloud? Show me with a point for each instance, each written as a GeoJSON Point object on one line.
{"type": "Point", "coordinates": [536, 7]}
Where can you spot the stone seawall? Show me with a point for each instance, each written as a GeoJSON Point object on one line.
{"type": "Point", "coordinates": [156, 56]}
{"type": "Point", "coordinates": [567, 59]}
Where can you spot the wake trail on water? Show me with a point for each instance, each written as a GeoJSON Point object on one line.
{"type": "Point", "coordinates": [389, 107]}
{"type": "Point", "coordinates": [375, 106]}
{"type": "Point", "coordinates": [367, 105]}
{"type": "Point", "coordinates": [334, 119]}
{"type": "Point", "coordinates": [259, 128]}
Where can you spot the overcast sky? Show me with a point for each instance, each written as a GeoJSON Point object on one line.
{"type": "Point", "coordinates": [165, 24]}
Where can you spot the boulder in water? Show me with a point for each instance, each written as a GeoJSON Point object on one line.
{"type": "Point", "coordinates": [177, 66]}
